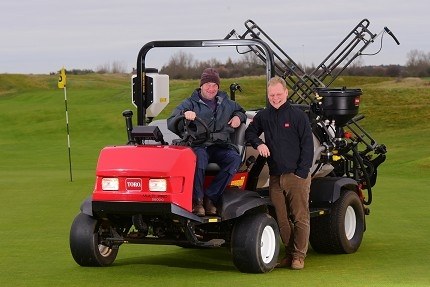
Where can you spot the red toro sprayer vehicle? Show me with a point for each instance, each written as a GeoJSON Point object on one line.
{"type": "Point", "coordinates": [143, 189]}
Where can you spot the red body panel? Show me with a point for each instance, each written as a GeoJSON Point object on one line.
{"type": "Point", "coordinates": [135, 165]}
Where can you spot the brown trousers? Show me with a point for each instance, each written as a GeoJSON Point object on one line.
{"type": "Point", "coordinates": [290, 196]}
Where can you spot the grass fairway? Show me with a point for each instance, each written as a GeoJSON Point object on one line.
{"type": "Point", "coordinates": [38, 200]}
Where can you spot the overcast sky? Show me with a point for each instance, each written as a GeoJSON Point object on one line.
{"type": "Point", "coordinates": [42, 36]}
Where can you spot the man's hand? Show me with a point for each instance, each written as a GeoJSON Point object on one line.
{"type": "Point", "coordinates": [234, 122]}
{"type": "Point", "coordinates": [190, 115]}
{"type": "Point", "coordinates": [263, 150]}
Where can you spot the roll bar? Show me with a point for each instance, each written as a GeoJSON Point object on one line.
{"type": "Point", "coordinates": [139, 91]}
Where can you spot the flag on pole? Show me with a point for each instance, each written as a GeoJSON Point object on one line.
{"type": "Point", "coordinates": [62, 85]}
{"type": "Point", "coordinates": [62, 79]}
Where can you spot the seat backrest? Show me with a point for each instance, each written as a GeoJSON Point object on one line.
{"type": "Point", "coordinates": [238, 138]}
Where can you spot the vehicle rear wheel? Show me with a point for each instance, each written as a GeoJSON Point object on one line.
{"type": "Point", "coordinates": [342, 230]}
{"type": "Point", "coordinates": [255, 243]}
{"type": "Point", "coordinates": [87, 243]}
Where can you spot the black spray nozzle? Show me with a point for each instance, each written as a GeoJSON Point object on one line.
{"type": "Point", "coordinates": [235, 87]}
{"type": "Point", "coordinates": [127, 113]}
{"type": "Point", "coordinates": [232, 32]}
{"type": "Point", "coordinates": [392, 35]}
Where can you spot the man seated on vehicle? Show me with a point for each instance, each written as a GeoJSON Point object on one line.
{"type": "Point", "coordinates": [222, 116]}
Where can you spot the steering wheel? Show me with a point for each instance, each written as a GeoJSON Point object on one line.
{"type": "Point", "coordinates": [195, 132]}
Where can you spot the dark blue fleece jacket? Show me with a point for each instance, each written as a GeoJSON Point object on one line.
{"type": "Point", "coordinates": [288, 135]}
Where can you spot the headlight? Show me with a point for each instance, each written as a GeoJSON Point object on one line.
{"type": "Point", "coordinates": [157, 184]}
{"type": "Point", "coordinates": [110, 183]}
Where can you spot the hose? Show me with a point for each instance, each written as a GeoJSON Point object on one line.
{"type": "Point", "coordinates": [365, 174]}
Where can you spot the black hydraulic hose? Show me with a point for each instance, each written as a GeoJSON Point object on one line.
{"type": "Point", "coordinates": [388, 31]}
{"type": "Point", "coordinates": [366, 175]}
{"type": "Point", "coordinates": [369, 166]}
{"type": "Point", "coordinates": [254, 173]}
{"type": "Point", "coordinates": [316, 169]}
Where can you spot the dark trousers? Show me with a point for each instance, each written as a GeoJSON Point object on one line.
{"type": "Point", "coordinates": [228, 160]}
{"type": "Point", "coordinates": [290, 196]}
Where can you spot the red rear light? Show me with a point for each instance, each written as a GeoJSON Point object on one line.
{"type": "Point", "coordinates": [347, 135]}
{"type": "Point", "coordinates": [357, 101]}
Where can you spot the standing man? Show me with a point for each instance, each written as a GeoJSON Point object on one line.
{"type": "Point", "coordinates": [222, 116]}
{"type": "Point", "coordinates": [289, 150]}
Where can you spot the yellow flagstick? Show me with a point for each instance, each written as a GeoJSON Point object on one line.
{"type": "Point", "coordinates": [62, 80]}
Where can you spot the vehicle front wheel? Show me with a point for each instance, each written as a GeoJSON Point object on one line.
{"type": "Point", "coordinates": [87, 243]}
{"type": "Point", "coordinates": [342, 230]}
{"type": "Point", "coordinates": [255, 243]}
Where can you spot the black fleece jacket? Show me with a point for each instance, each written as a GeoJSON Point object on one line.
{"type": "Point", "coordinates": [288, 135]}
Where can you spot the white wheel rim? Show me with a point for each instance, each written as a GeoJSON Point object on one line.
{"type": "Point", "coordinates": [350, 222]}
{"type": "Point", "coordinates": [104, 250]}
{"type": "Point", "coordinates": [267, 244]}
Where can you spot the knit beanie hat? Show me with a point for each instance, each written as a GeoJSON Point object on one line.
{"type": "Point", "coordinates": [209, 75]}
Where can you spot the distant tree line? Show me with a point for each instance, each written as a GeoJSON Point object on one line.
{"type": "Point", "coordinates": [115, 67]}
{"type": "Point", "coordinates": [183, 66]}
{"type": "Point", "coordinates": [417, 65]}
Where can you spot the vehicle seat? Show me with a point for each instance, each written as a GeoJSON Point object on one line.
{"type": "Point", "coordinates": [238, 138]}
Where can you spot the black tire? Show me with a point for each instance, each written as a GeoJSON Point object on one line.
{"type": "Point", "coordinates": [86, 235]}
{"type": "Point", "coordinates": [342, 230]}
{"type": "Point", "coordinates": [255, 243]}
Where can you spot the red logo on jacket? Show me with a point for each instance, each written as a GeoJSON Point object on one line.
{"type": "Point", "coordinates": [286, 125]}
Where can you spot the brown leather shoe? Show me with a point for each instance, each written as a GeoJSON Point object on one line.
{"type": "Point", "coordinates": [298, 263]}
{"type": "Point", "coordinates": [198, 208]}
{"type": "Point", "coordinates": [209, 207]}
{"type": "Point", "coordinates": [285, 262]}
